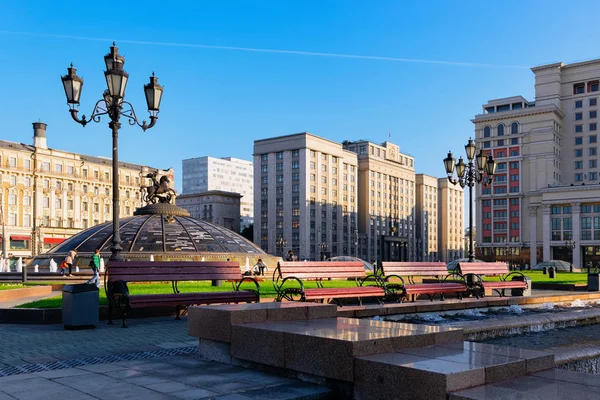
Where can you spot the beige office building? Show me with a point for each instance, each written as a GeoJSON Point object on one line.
{"type": "Point", "coordinates": [386, 201]}
{"type": "Point", "coordinates": [426, 218]}
{"type": "Point", "coordinates": [49, 195]}
{"type": "Point", "coordinates": [305, 196]}
{"type": "Point", "coordinates": [451, 231]}
{"type": "Point", "coordinates": [545, 197]}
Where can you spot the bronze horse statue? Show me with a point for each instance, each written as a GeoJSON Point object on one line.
{"type": "Point", "coordinates": [159, 191]}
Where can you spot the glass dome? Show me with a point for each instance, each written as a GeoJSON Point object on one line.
{"type": "Point", "coordinates": [164, 237]}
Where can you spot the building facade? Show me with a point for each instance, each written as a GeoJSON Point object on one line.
{"type": "Point", "coordinates": [306, 197]}
{"type": "Point", "coordinates": [426, 218]}
{"type": "Point", "coordinates": [225, 174]}
{"type": "Point", "coordinates": [48, 195]}
{"type": "Point", "coordinates": [215, 206]}
{"type": "Point", "coordinates": [386, 201]}
{"type": "Point", "coordinates": [451, 245]}
{"type": "Point", "coordinates": [545, 196]}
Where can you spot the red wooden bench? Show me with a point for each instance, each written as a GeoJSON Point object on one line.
{"type": "Point", "coordinates": [444, 282]}
{"type": "Point", "coordinates": [289, 275]}
{"type": "Point", "coordinates": [473, 273]}
{"type": "Point", "coordinates": [119, 273]}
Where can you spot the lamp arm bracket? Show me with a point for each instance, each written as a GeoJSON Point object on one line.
{"type": "Point", "coordinates": [129, 113]}
{"type": "Point", "coordinates": [99, 110]}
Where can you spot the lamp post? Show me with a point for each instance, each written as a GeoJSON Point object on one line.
{"type": "Point", "coordinates": [114, 105]}
{"type": "Point", "coordinates": [570, 244]}
{"type": "Point", "coordinates": [482, 171]}
{"type": "Point", "coordinates": [323, 247]}
{"type": "Point", "coordinates": [281, 243]}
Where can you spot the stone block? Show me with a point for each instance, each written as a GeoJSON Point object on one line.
{"type": "Point", "coordinates": [214, 322]}
{"type": "Point", "coordinates": [403, 376]}
{"type": "Point", "coordinates": [214, 351]}
{"type": "Point", "coordinates": [291, 311]}
{"type": "Point", "coordinates": [252, 342]}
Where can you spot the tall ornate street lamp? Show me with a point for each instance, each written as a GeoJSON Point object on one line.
{"type": "Point", "coordinates": [570, 244]}
{"type": "Point", "coordinates": [281, 243]}
{"type": "Point", "coordinates": [482, 171]}
{"type": "Point", "coordinates": [323, 246]}
{"type": "Point", "coordinates": [113, 105]}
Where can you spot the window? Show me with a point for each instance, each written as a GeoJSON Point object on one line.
{"type": "Point", "coordinates": [579, 104]}
{"type": "Point", "coordinates": [514, 128]}
{"type": "Point", "coordinates": [295, 164]}
{"type": "Point", "coordinates": [486, 131]}
{"type": "Point", "coordinates": [593, 164]}
{"type": "Point", "coordinates": [514, 141]}
{"type": "Point", "coordinates": [264, 169]}
{"type": "Point", "coordinates": [578, 140]}
{"type": "Point", "coordinates": [578, 128]}
{"type": "Point", "coordinates": [514, 164]}
{"type": "Point", "coordinates": [593, 86]}
{"type": "Point", "coordinates": [296, 153]}
{"type": "Point", "coordinates": [13, 180]}
{"type": "Point", "coordinates": [279, 167]}
{"type": "Point", "coordinates": [500, 130]}
{"type": "Point", "coordinates": [578, 177]}
{"type": "Point", "coordinates": [578, 164]}
{"type": "Point", "coordinates": [593, 139]}
{"type": "Point", "coordinates": [514, 153]}
{"type": "Point", "coordinates": [578, 153]}
{"type": "Point", "coordinates": [45, 166]}
{"type": "Point", "coordinates": [486, 145]}
{"type": "Point", "coordinates": [69, 204]}
{"type": "Point", "coordinates": [313, 165]}
{"type": "Point", "coordinates": [578, 116]}
{"type": "Point", "coordinates": [58, 203]}
{"type": "Point", "coordinates": [264, 157]}
{"type": "Point", "coordinates": [592, 151]}
{"type": "Point", "coordinates": [593, 102]}
{"type": "Point", "coordinates": [46, 202]}
{"type": "Point", "coordinates": [593, 114]}
{"type": "Point", "coordinates": [323, 168]}
{"type": "Point", "coordinates": [593, 126]}
{"type": "Point", "coordinates": [579, 88]}
{"type": "Point", "coordinates": [279, 155]}
{"type": "Point", "coordinates": [279, 178]}
{"type": "Point", "coordinates": [593, 176]}
{"type": "Point", "coordinates": [501, 142]}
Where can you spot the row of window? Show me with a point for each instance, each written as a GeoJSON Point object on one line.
{"type": "Point", "coordinates": [592, 102]}
{"type": "Point", "coordinates": [500, 128]}
{"type": "Point", "coordinates": [592, 151]}
{"type": "Point", "coordinates": [580, 87]}
{"type": "Point", "coordinates": [591, 139]}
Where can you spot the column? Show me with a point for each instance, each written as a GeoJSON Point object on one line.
{"type": "Point", "coordinates": [546, 231]}
{"type": "Point", "coordinates": [576, 225]}
{"type": "Point", "coordinates": [533, 236]}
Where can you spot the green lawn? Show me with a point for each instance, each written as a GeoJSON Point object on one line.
{"type": "Point", "coordinates": [266, 290]}
{"type": "Point", "coordinates": [561, 277]}
{"type": "Point", "coordinates": [266, 287]}
{"type": "Point", "coordinates": [9, 286]}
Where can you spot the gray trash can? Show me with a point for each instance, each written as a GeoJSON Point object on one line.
{"type": "Point", "coordinates": [593, 282]}
{"type": "Point", "coordinates": [80, 306]}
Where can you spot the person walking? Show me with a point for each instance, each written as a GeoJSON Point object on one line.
{"type": "Point", "coordinates": [69, 260]}
{"type": "Point", "coordinates": [95, 266]}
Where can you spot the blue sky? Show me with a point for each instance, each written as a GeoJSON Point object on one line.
{"type": "Point", "coordinates": [217, 101]}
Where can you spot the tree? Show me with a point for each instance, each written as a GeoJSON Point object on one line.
{"type": "Point", "coordinates": [248, 232]}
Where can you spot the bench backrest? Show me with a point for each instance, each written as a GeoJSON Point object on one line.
{"type": "Point", "coordinates": [483, 268]}
{"type": "Point", "coordinates": [414, 268]}
{"type": "Point", "coordinates": [321, 269]}
{"type": "Point", "coordinates": [152, 271]}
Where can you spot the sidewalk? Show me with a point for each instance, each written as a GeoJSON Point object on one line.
{"type": "Point", "coordinates": [152, 359]}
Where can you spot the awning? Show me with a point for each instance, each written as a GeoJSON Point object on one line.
{"type": "Point", "coordinates": [54, 240]}
{"type": "Point", "coordinates": [19, 237]}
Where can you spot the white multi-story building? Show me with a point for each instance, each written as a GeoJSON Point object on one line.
{"type": "Point", "coordinates": [426, 218]}
{"type": "Point", "coordinates": [226, 174]}
{"type": "Point", "coordinates": [545, 197]}
{"type": "Point", "coordinates": [47, 195]}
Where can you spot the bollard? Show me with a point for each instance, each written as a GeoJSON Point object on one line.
{"type": "Point", "coordinates": [551, 272]}
{"type": "Point", "coordinates": [545, 270]}
{"type": "Point", "coordinates": [24, 274]}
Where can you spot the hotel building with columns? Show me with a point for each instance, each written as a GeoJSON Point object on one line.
{"type": "Point", "coordinates": [545, 197]}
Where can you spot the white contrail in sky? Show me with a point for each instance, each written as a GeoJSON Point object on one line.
{"type": "Point", "coordinates": [258, 50]}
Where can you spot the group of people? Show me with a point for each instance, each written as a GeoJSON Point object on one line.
{"type": "Point", "coordinates": [94, 264]}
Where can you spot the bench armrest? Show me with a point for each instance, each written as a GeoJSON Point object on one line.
{"type": "Point", "coordinates": [454, 276]}
{"type": "Point", "coordinates": [289, 292]}
{"type": "Point", "coordinates": [247, 279]}
{"type": "Point", "coordinates": [387, 279]}
{"type": "Point", "coordinates": [378, 280]}
{"type": "Point", "coordinates": [511, 274]}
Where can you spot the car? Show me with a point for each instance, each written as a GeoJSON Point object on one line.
{"type": "Point", "coordinates": [368, 266]}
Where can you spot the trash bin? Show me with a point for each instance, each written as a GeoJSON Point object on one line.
{"type": "Point", "coordinates": [551, 272]}
{"type": "Point", "coordinates": [545, 270]}
{"type": "Point", "coordinates": [80, 306]}
{"type": "Point", "coordinates": [593, 282]}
